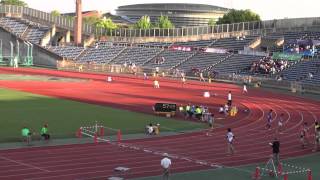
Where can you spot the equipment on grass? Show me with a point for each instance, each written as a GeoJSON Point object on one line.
{"type": "Point", "coordinates": [99, 133]}
{"type": "Point", "coordinates": [283, 171]}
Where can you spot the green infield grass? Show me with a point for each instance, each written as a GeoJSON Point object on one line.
{"type": "Point", "coordinates": [64, 117]}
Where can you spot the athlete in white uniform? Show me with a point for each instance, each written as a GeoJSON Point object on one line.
{"type": "Point", "coordinates": [156, 84]}
{"type": "Point", "coordinates": [245, 90]}
{"type": "Point", "coordinates": [230, 139]}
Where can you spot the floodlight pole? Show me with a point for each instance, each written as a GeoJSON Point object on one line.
{"type": "Point", "coordinates": [1, 52]}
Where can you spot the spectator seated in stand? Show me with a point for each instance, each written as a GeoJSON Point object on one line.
{"type": "Point", "coordinates": [267, 65]}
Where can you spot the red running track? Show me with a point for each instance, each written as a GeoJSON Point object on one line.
{"type": "Point", "coordinates": [89, 161]}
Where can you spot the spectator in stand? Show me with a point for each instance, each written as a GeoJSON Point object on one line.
{"type": "Point", "coordinates": [310, 75]}
{"type": "Point", "coordinates": [162, 60]}
{"type": "Point", "coordinates": [201, 78]}
{"type": "Point", "coordinates": [267, 65]}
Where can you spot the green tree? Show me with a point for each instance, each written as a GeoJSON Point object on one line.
{"type": "Point", "coordinates": [14, 2]}
{"type": "Point", "coordinates": [164, 22]}
{"type": "Point", "coordinates": [236, 16]}
{"type": "Point", "coordinates": [212, 22]}
{"type": "Point", "coordinates": [55, 13]}
{"type": "Point", "coordinates": [143, 23]}
{"type": "Point", "coordinates": [69, 17]}
{"type": "Point", "coordinates": [92, 20]}
{"type": "Point", "coordinates": [106, 23]}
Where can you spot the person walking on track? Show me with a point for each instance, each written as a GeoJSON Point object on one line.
{"type": "Point", "coordinates": [165, 164]}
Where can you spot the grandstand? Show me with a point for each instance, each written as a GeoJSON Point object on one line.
{"type": "Point", "coordinates": [68, 52]}
{"type": "Point", "coordinates": [15, 26]}
{"type": "Point", "coordinates": [237, 63]}
{"type": "Point", "coordinates": [136, 55]}
{"type": "Point", "coordinates": [300, 71]}
{"type": "Point", "coordinates": [100, 54]}
{"type": "Point", "coordinates": [171, 59]}
{"type": "Point", "coordinates": [234, 43]}
{"type": "Point", "coordinates": [201, 61]}
{"type": "Point", "coordinates": [204, 54]}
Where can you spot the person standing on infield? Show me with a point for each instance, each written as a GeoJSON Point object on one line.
{"type": "Point", "coordinates": [165, 164]}
{"type": "Point", "coordinates": [230, 138]}
{"type": "Point", "coordinates": [275, 151]}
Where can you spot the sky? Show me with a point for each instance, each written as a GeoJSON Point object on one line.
{"type": "Point", "coordinates": [267, 9]}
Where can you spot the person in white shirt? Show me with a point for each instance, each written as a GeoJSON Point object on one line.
{"type": "Point", "coordinates": [245, 90]}
{"type": "Point", "coordinates": [201, 77]}
{"type": "Point", "coordinates": [221, 109]}
{"type": "Point", "coordinates": [15, 62]}
{"type": "Point", "coordinates": [229, 99]}
{"type": "Point", "coordinates": [156, 84]}
{"type": "Point", "coordinates": [230, 139]}
{"type": "Point", "coordinates": [165, 164]}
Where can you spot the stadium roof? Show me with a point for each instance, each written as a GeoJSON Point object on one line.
{"type": "Point", "coordinates": [174, 7]}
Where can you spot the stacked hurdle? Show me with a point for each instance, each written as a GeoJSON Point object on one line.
{"type": "Point", "coordinates": [260, 172]}
{"type": "Point", "coordinates": [97, 132]}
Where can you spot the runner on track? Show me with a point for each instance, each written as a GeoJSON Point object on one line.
{"type": "Point", "coordinates": [230, 140]}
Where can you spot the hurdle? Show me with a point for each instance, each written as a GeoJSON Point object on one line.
{"type": "Point", "coordinates": [99, 133]}
{"type": "Point", "coordinates": [280, 173]}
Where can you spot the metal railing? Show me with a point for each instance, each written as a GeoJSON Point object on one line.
{"type": "Point", "coordinates": [68, 23]}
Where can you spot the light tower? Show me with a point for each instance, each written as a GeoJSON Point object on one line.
{"type": "Point", "coordinates": [78, 23]}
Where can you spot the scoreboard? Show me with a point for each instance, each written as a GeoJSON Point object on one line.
{"type": "Point", "coordinates": [165, 107]}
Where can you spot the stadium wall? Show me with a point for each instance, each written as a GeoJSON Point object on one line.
{"type": "Point", "coordinates": [41, 56]}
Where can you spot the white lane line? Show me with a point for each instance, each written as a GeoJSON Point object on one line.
{"type": "Point", "coordinates": [24, 164]}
